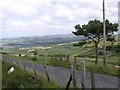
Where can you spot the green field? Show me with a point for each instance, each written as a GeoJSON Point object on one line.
{"type": "Point", "coordinates": [86, 51]}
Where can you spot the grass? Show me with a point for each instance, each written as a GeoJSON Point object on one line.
{"type": "Point", "coordinates": [45, 60]}
{"type": "Point", "coordinates": [104, 70]}
{"type": "Point", "coordinates": [89, 62]}
{"type": "Point", "coordinates": [66, 49]}
{"type": "Point", "coordinates": [19, 79]}
{"type": "Point", "coordinates": [88, 53]}
{"type": "Point", "coordinates": [109, 69]}
{"type": "Point", "coordinates": [52, 62]}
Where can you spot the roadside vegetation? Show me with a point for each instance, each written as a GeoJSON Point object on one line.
{"type": "Point", "coordinates": [24, 80]}
{"type": "Point", "coordinates": [89, 50]}
{"type": "Point", "coordinates": [86, 52]}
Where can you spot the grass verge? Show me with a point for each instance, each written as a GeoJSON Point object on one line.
{"type": "Point", "coordinates": [21, 79]}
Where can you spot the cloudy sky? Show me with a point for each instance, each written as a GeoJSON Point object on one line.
{"type": "Point", "coordinates": [47, 17]}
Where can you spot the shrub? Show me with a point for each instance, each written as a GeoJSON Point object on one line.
{"type": "Point", "coordinates": [4, 53]}
{"type": "Point", "coordinates": [81, 43]}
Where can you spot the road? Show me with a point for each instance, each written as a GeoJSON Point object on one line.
{"type": "Point", "coordinates": [61, 75]}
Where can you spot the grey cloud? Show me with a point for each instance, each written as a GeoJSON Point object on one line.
{"type": "Point", "coordinates": [54, 16]}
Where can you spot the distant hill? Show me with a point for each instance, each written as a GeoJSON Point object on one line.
{"type": "Point", "coordinates": [42, 40]}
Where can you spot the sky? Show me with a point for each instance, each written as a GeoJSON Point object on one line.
{"type": "Point", "coordinates": [20, 18]}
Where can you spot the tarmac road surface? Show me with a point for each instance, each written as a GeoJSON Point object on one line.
{"type": "Point", "coordinates": [61, 75]}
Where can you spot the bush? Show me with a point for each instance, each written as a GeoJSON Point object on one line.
{"type": "Point", "coordinates": [76, 44]}
{"type": "Point", "coordinates": [81, 43]}
{"type": "Point", "coordinates": [34, 58]}
{"type": "Point", "coordinates": [19, 55]}
{"type": "Point", "coordinates": [4, 53]}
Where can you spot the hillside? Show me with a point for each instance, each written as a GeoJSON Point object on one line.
{"type": "Point", "coordinates": [44, 40]}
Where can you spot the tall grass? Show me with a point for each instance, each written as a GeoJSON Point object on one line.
{"type": "Point", "coordinates": [22, 79]}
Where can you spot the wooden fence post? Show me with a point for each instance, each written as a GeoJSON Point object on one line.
{"type": "Point", "coordinates": [69, 82]}
{"type": "Point", "coordinates": [39, 55]}
{"type": "Point", "coordinates": [83, 74]}
{"type": "Point", "coordinates": [60, 58]}
{"type": "Point", "coordinates": [68, 58]}
{"type": "Point", "coordinates": [34, 69]}
{"type": "Point", "coordinates": [26, 55]}
{"type": "Point", "coordinates": [55, 57]}
{"type": "Point", "coordinates": [51, 57]}
{"type": "Point", "coordinates": [73, 76]}
{"type": "Point", "coordinates": [92, 79]}
{"type": "Point", "coordinates": [46, 73]}
{"type": "Point", "coordinates": [75, 59]}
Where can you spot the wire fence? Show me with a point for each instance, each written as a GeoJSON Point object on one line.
{"type": "Point", "coordinates": [71, 79]}
{"type": "Point", "coordinates": [30, 66]}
